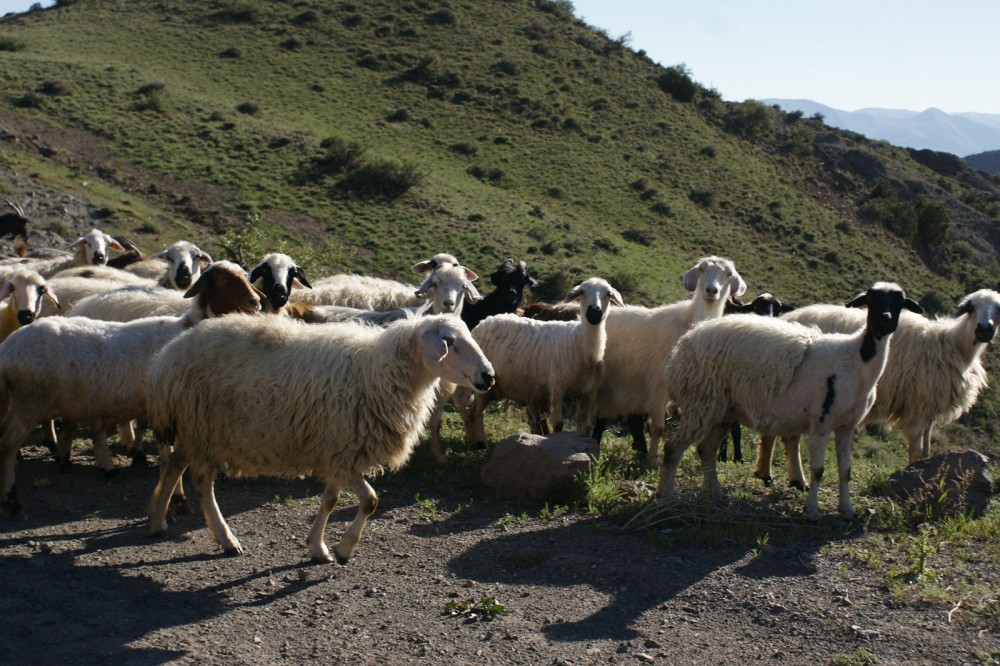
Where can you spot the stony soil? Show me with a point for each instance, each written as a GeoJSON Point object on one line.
{"type": "Point", "coordinates": [83, 581]}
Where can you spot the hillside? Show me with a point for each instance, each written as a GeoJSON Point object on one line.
{"type": "Point", "coordinates": [489, 129]}
{"type": "Point", "coordinates": [988, 161]}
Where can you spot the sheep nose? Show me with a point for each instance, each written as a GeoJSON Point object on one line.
{"type": "Point", "coordinates": [182, 277]}
{"type": "Point", "coordinates": [278, 296]}
{"type": "Point", "coordinates": [984, 332]}
{"type": "Point", "coordinates": [25, 317]}
{"type": "Point", "coordinates": [594, 315]}
{"type": "Point", "coordinates": [449, 306]}
{"type": "Point", "coordinates": [100, 258]}
{"type": "Point", "coordinates": [712, 291]}
{"type": "Point", "coordinates": [486, 380]}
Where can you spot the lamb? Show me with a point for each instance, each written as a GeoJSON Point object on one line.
{"type": "Point", "coordinates": [779, 378]}
{"type": "Point", "coordinates": [344, 401]}
{"type": "Point", "coordinates": [93, 372]}
{"type": "Point", "coordinates": [544, 361]}
{"type": "Point", "coordinates": [26, 288]}
{"type": "Point", "coordinates": [641, 339]}
{"type": "Point", "coordinates": [934, 373]}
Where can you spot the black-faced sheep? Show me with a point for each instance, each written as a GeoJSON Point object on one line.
{"type": "Point", "coordinates": [344, 401]}
{"type": "Point", "coordinates": [779, 378]}
{"type": "Point", "coordinates": [94, 372]}
{"type": "Point", "coordinates": [934, 373]}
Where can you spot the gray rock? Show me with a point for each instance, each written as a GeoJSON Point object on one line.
{"type": "Point", "coordinates": [526, 466]}
{"type": "Point", "coordinates": [958, 482]}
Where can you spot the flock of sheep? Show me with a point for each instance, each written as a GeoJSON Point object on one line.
{"type": "Point", "coordinates": [263, 372]}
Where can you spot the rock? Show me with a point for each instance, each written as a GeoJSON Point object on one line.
{"type": "Point", "coordinates": [526, 466]}
{"type": "Point", "coordinates": [958, 482]}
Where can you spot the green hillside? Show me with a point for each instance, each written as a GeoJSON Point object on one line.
{"type": "Point", "coordinates": [364, 136]}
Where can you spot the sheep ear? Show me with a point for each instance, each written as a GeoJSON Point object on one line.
{"type": "Point", "coordinates": [532, 282]}
{"type": "Point", "coordinates": [204, 259]}
{"type": "Point", "coordinates": [424, 266]}
{"type": "Point", "coordinates": [964, 308]}
{"type": "Point", "coordinates": [858, 301]}
{"type": "Point", "coordinates": [472, 294]}
{"type": "Point", "coordinates": [79, 242]}
{"type": "Point", "coordinates": [112, 243]}
{"type": "Point", "coordinates": [435, 348]}
{"type": "Point", "coordinates": [912, 305]}
{"type": "Point", "coordinates": [690, 279]}
{"type": "Point", "coordinates": [786, 308]}
{"type": "Point", "coordinates": [300, 276]}
{"type": "Point", "coordinates": [6, 290]}
{"type": "Point", "coordinates": [573, 294]}
{"type": "Point", "coordinates": [616, 298]}
{"type": "Point", "coordinates": [51, 295]}
{"type": "Point", "coordinates": [200, 285]}
{"type": "Point", "coordinates": [159, 255]}
{"type": "Point", "coordinates": [257, 273]}
{"type": "Point", "coordinates": [736, 285]}
{"type": "Point", "coordinates": [425, 287]}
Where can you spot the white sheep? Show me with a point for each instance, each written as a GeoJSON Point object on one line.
{"type": "Point", "coordinates": [779, 378]}
{"type": "Point", "coordinates": [343, 401]}
{"type": "Point", "coordinates": [371, 293]}
{"type": "Point", "coordinates": [543, 362]}
{"type": "Point", "coordinates": [641, 339]}
{"type": "Point", "coordinates": [25, 289]}
{"type": "Point", "coordinates": [132, 302]}
{"type": "Point", "coordinates": [94, 372]}
{"type": "Point", "coordinates": [75, 284]}
{"type": "Point", "coordinates": [90, 249]}
{"type": "Point", "coordinates": [934, 373]}
{"type": "Point", "coordinates": [184, 262]}
{"type": "Point", "coordinates": [277, 275]}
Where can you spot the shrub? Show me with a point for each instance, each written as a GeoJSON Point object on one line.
{"type": "Point", "coordinates": [56, 87]}
{"type": "Point", "coordinates": [340, 156]}
{"type": "Point", "coordinates": [464, 148]}
{"type": "Point", "coordinates": [398, 116]}
{"type": "Point", "coordinates": [151, 96]}
{"type": "Point", "coordinates": [932, 223]}
{"type": "Point", "coordinates": [236, 13]}
{"type": "Point", "coordinates": [506, 66]}
{"type": "Point", "coordinates": [306, 17]}
{"type": "Point", "coordinates": [31, 100]}
{"type": "Point", "coordinates": [799, 141]}
{"type": "Point", "coordinates": [703, 198]}
{"type": "Point", "coordinates": [382, 180]}
{"type": "Point", "coordinates": [249, 108]}
{"type": "Point", "coordinates": [556, 192]}
{"type": "Point", "coordinates": [444, 16]}
{"type": "Point", "coordinates": [662, 208]}
{"type": "Point", "coordinates": [232, 52]}
{"type": "Point", "coordinates": [11, 44]}
{"type": "Point", "coordinates": [751, 120]}
{"type": "Point", "coordinates": [640, 236]}
{"type": "Point", "coordinates": [676, 82]}
{"type": "Point", "coordinates": [291, 44]}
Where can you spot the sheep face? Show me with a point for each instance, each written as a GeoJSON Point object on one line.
{"type": "Point", "coordinates": [92, 249]}
{"type": "Point", "coordinates": [511, 279]}
{"type": "Point", "coordinates": [713, 279]}
{"type": "Point", "coordinates": [277, 275]}
{"type": "Point", "coordinates": [765, 305]}
{"type": "Point", "coordinates": [451, 353]}
{"type": "Point", "coordinates": [185, 262]}
{"type": "Point", "coordinates": [27, 289]}
{"type": "Point", "coordinates": [439, 260]}
{"type": "Point", "coordinates": [884, 300]}
{"type": "Point", "coordinates": [224, 289]}
{"type": "Point", "coordinates": [595, 297]}
{"type": "Point", "coordinates": [449, 287]}
{"type": "Point", "coordinates": [983, 310]}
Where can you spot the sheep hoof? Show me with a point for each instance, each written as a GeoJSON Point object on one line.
{"type": "Point", "coordinates": [112, 474]}
{"type": "Point", "coordinates": [321, 559]}
{"type": "Point", "coordinates": [65, 465]}
{"type": "Point", "coordinates": [158, 534]}
{"type": "Point", "coordinates": [139, 459]}
{"type": "Point", "coordinates": [233, 551]}
{"type": "Point", "coordinates": [766, 479]}
{"type": "Point", "coordinates": [798, 485]}
{"type": "Point", "coordinates": [340, 560]}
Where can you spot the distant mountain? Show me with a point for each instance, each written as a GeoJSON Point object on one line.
{"type": "Point", "coordinates": [988, 161]}
{"type": "Point", "coordinates": [933, 129]}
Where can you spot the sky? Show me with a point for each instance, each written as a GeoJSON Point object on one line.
{"type": "Point", "coordinates": [847, 54]}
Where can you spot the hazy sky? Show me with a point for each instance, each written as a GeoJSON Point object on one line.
{"type": "Point", "coordinates": [848, 54]}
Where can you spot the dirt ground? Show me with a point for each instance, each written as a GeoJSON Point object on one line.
{"type": "Point", "coordinates": [81, 580]}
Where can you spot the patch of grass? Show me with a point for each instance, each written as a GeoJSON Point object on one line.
{"type": "Point", "coordinates": [11, 44]}
{"type": "Point", "coordinates": [861, 657]}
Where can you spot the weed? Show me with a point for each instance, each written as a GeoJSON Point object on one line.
{"type": "Point", "coordinates": [861, 657]}
{"type": "Point", "coordinates": [548, 514]}
{"type": "Point", "coordinates": [486, 608]}
{"type": "Point", "coordinates": [429, 507]}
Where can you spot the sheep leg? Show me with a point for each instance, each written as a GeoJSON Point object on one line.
{"type": "Point", "coordinates": [736, 434]}
{"type": "Point", "coordinates": [637, 428]}
{"type": "Point", "coordinates": [925, 441]}
{"type": "Point", "coordinates": [475, 431]}
{"type": "Point", "coordinates": [673, 451]}
{"type": "Point", "coordinates": [708, 449]}
{"type": "Point", "coordinates": [367, 503]}
{"type": "Point", "coordinates": [919, 442]}
{"type": "Point", "coordinates": [103, 454]}
{"type": "Point", "coordinates": [8, 460]}
{"type": "Point", "coordinates": [844, 472]}
{"type": "Point", "coordinates": [171, 469]}
{"type": "Point", "coordinates": [63, 444]}
{"type": "Point", "coordinates": [435, 427]}
{"type": "Point", "coordinates": [204, 483]}
{"type": "Point", "coordinates": [318, 552]}
{"type": "Point", "coordinates": [556, 410]}
{"type": "Point", "coordinates": [765, 455]}
{"type": "Point", "coordinates": [817, 457]}
{"type": "Point", "coordinates": [793, 463]}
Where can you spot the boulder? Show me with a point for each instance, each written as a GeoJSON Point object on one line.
{"type": "Point", "coordinates": [958, 482]}
{"type": "Point", "coordinates": [526, 466]}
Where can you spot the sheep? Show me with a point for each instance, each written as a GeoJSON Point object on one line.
{"type": "Point", "coordinates": [641, 339]}
{"type": "Point", "coordinates": [90, 249]}
{"type": "Point", "coordinates": [277, 275]}
{"type": "Point", "coordinates": [509, 281]}
{"type": "Point", "coordinates": [26, 288]}
{"type": "Point", "coordinates": [131, 257]}
{"type": "Point", "coordinates": [15, 225]}
{"type": "Point", "coordinates": [371, 293]}
{"type": "Point", "coordinates": [344, 401]}
{"type": "Point", "coordinates": [543, 361]}
{"type": "Point", "coordinates": [185, 261]}
{"type": "Point", "coordinates": [765, 305]}
{"type": "Point", "coordinates": [75, 284]}
{"type": "Point", "coordinates": [779, 378]}
{"type": "Point", "coordinates": [934, 373]}
{"type": "Point", "coordinates": [93, 372]}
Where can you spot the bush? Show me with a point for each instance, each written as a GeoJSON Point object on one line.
{"type": "Point", "coordinates": [752, 120]}
{"type": "Point", "coordinates": [932, 223]}
{"type": "Point", "coordinates": [703, 198]}
{"type": "Point", "coordinates": [676, 82]}
{"type": "Point", "coordinates": [506, 66]}
{"type": "Point", "coordinates": [306, 17]}
{"type": "Point", "coordinates": [291, 44]}
{"type": "Point", "coordinates": [231, 52]}
{"type": "Point", "coordinates": [11, 44]}
{"type": "Point", "coordinates": [249, 108]}
{"type": "Point", "coordinates": [382, 180]}
{"type": "Point", "coordinates": [398, 116]}
{"type": "Point", "coordinates": [340, 156]}
{"type": "Point", "coordinates": [30, 100]}
{"type": "Point", "coordinates": [56, 87]}
{"type": "Point", "coordinates": [464, 148]}
{"type": "Point", "coordinates": [236, 13]}
{"type": "Point", "coordinates": [443, 16]}
{"type": "Point", "coordinates": [640, 236]}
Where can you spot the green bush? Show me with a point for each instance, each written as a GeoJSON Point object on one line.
{"type": "Point", "coordinates": [676, 82]}
{"type": "Point", "coordinates": [382, 180]}
{"type": "Point", "coordinates": [339, 156]}
{"type": "Point", "coordinates": [932, 223]}
{"type": "Point", "coordinates": [11, 44]}
{"type": "Point", "coordinates": [751, 120]}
